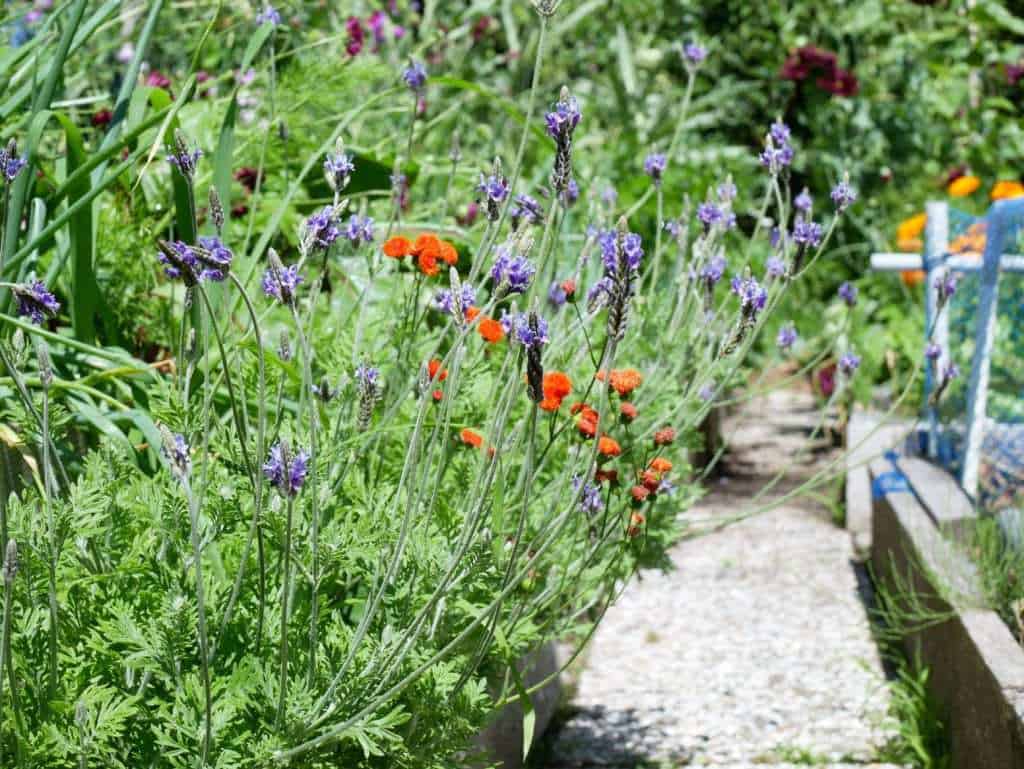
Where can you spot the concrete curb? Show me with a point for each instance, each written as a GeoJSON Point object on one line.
{"type": "Point", "coordinates": [977, 667]}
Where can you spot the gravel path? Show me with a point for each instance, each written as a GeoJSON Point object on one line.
{"type": "Point", "coordinates": [756, 651]}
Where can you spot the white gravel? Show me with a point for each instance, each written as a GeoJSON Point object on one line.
{"type": "Point", "coordinates": [754, 651]}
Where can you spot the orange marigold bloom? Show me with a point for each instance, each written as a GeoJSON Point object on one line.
{"type": "Point", "coordinates": [628, 411]}
{"type": "Point", "coordinates": [427, 264]}
{"type": "Point", "coordinates": [912, 278]}
{"type": "Point", "coordinates": [447, 253]}
{"type": "Point", "coordinates": [471, 438]}
{"type": "Point", "coordinates": [397, 247]}
{"type": "Point", "coordinates": [963, 186]}
{"type": "Point", "coordinates": [608, 447]}
{"type": "Point", "coordinates": [557, 385]}
{"type": "Point", "coordinates": [587, 427]}
{"type": "Point", "coordinates": [471, 313]}
{"type": "Point", "coordinates": [433, 369]}
{"type": "Point", "coordinates": [661, 465]}
{"type": "Point", "coordinates": [639, 493]}
{"type": "Point", "coordinates": [491, 330]}
{"type": "Point", "coordinates": [1004, 190]}
{"type": "Point", "coordinates": [664, 436]}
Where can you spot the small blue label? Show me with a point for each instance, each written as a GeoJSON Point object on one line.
{"type": "Point", "coordinates": [889, 483]}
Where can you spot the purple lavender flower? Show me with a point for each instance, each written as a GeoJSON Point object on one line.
{"type": "Point", "coordinates": [11, 164]}
{"type": "Point", "coordinates": [632, 251]}
{"type": "Point", "coordinates": [609, 196]}
{"type": "Point", "coordinates": [674, 228]}
{"type": "Point", "coordinates": [415, 76]}
{"type": "Point", "coordinates": [570, 194]}
{"type": "Point", "coordinates": [707, 392]}
{"type": "Point", "coordinates": [507, 321]}
{"type": "Point", "coordinates": [556, 294]}
{"type": "Point", "coordinates": [527, 209]}
{"type": "Point", "coordinates": [591, 502]}
{"type": "Point", "coordinates": [951, 372]}
{"type": "Point", "coordinates": [806, 233]}
{"type": "Point", "coordinates": [180, 262]}
{"type": "Point", "coordinates": [368, 390]}
{"type": "Point", "coordinates": [654, 166]}
{"type": "Point", "coordinates": [444, 300]}
{"type": "Point", "coordinates": [709, 215]}
{"type": "Point", "coordinates": [787, 337]}
{"type": "Point", "coordinates": [713, 271]}
{"type": "Point", "coordinates": [511, 272]}
{"type": "Point", "coordinates": [599, 292]}
{"type": "Point", "coordinates": [183, 158]}
{"type": "Point", "coordinates": [175, 450]}
{"type": "Point", "coordinates": [268, 15]}
{"type": "Point", "coordinates": [945, 286]}
{"type": "Point", "coordinates": [338, 168]}
{"type": "Point", "coordinates": [281, 282]}
{"type": "Point", "coordinates": [779, 133]}
{"type": "Point", "coordinates": [367, 376]}
{"type": "Point", "coordinates": [400, 190]}
{"type": "Point", "coordinates": [933, 351]}
{"type": "Point", "coordinates": [752, 295]}
{"type": "Point", "coordinates": [528, 334]}
{"type": "Point", "coordinates": [694, 54]}
{"type": "Point", "coordinates": [214, 257]}
{"type": "Point", "coordinates": [35, 302]}
{"type": "Point", "coordinates": [320, 230]}
{"type": "Point", "coordinates": [848, 293]}
{"type": "Point", "coordinates": [803, 201]}
{"type": "Point", "coordinates": [778, 152]}
{"type": "Point", "coordinates": [359, 230]}
{"type": "Point", "coordinates": [665, 486]}
{"type": "Point", "coordinates": [843, 195]}
{"type": "Point", "coordinates": [849, 362]}
{"type": "Point", "coordinates": [563, 118]}
{"type": "Point", "coordinates": [286, 471]}
{"type": "Point", "coordinates": [726, 191]}
{"type": "Point", "coordinates": [775, 237]}
{"type": "Point", "coordinates": [494, 188]}
{"type": "Point", "coordinates": [774, 267]}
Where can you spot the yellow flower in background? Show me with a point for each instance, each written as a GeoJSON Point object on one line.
{"type": "Point", "coordinates": [1005, 190]}
{"type": "Point", "coordinates": [963, 186]}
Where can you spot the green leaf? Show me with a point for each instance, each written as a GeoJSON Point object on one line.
{"type": "Point", "coordinates": [84, 299]}
{"type": "Point", "coordinates": [1001, 16]}
{"type": "Point", "coordinates": [225, 150]}
{"type": "Point", "coordinates": [529, 714]}
{"type": "Point", "coordinates": [256, 42]}
{"type": "Point", "coordinates": [624, 52]}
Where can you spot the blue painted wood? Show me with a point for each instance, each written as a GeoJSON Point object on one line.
{"type": "Point", "coordinates": [936, 242]}
{"type": "Point", "coordinates": [1001, 216]}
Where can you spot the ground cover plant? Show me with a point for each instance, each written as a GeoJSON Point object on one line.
{"type": "Point", "coordinates": [334, 382]}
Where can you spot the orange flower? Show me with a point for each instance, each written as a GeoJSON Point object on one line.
{"type": "Point", "coordinates": [612, 476]}
{"type": "Point", "coordinates": [557, 385]}
{"type": "Point", "coordinates": [608, 447]}
{"type": "Point", "coordinates": [569, 287]}
{"type": "Point", "coordinates": [963, 186]}
{"type": "Point", "coordinates": [628, 411]}
{"type": "Point", "coordinates": [471, 438]}
{"type": "Point", "coordinates": [438, 395]}
{"type": "Point", "coordinates": [664, 436]}
{"type": "Point", "coordinates": [636, 521]}
{"type": "Point", "coordinates": [550, 404]}
{"type": "Point", "coordinates": [626, 380]}
{"type": "Point", "coordinates": [911, 228]}
{"type": "Point", "coordinates": [427, 264]}
{"type": "Point", "coordinates": [1005, 190]}
{"type": "Point", "coordinates": [471, 313]}
{"type": "Point", "coordinates": [587, 427]}
{"type": "Point", "coordinates": [447, 253]}
{"type": "Point", "coordinates": [912, 278]}
{"type": "Point", "coordinates": [661, 465]}
{"type": "Point", "coordinates": [433, 368]}
{"type": "Point", "coordinates": [491, 330]}
{"type": "Point", "coordinates": [650, 480]}
{"type": "Point", "coordinates": [427, 243]}
{"type": "Point", "coordinates": [397, 247]}
{"type": "Point", "coordinates": [639, 493]}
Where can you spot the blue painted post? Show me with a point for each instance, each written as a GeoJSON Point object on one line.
{"type": "Point", "coordinates": [936, 242]}
{"type": "Point", "coordinates": [1000, 216]}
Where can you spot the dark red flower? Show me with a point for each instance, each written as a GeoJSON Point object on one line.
{"type": "Point", "coordinates": [247, 176]}
{"type": "Point", "coordinates": [842, 82]}
{"type": "Point", "coordinates": [102, 118]}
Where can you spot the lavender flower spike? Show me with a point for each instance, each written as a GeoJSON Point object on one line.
{"type": "Point", "coordinates": [11, 164]}
{"type": "Point", "coordinates": [848, 293]}
{"type": "Point", "coordinates": [694, 55]}
{"type": "Point", "coordinates": [268, 15]}
{"type": "Point", "coordinates": [849, 362]}
{"type": "Point", "coordinates": [590, 495]}
{"type": "Point", "coordinates": [530, 330]}
{"type": "Point", "coordinates": [415, 76]}
{"type": "Point", "coordinates": [182, 158]}
{"type": "Point", "coordinates": [280, 282]}
{"type": "Point", "coordinates": [368, 390]}
{"type": "Point", "coordinates": [787, 337]}
{"type": "Point", "coordinates": [286, 471]}
{"type": "Point", "coordinates": [512, 272]}
{"type": "Point", "coordinates": [843, 195]}
{"type": "Point", "coordinates": [338, 168]}
{"type": "Point", "coordinates": [359, 230]}
{"type": "Point", "coordinates": [35, 302]}
{"type": "Point", "coordinates": [560, 124]}
{"type": "Point", "coordinates": [654, 166]}
{"type": "Point", "coordinates": [803, 201]}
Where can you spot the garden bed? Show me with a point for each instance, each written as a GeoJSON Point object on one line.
{"type": "Point", "coordinates": [977, 667]}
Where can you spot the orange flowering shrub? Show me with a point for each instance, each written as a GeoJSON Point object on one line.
{"type": "Point", "coordinates": [427, 250]}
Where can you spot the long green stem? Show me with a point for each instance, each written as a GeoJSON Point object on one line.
{"type": "Point", "coordinates": [286, 587]}
{"type": "Point", "coordinates": [204, 643]}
